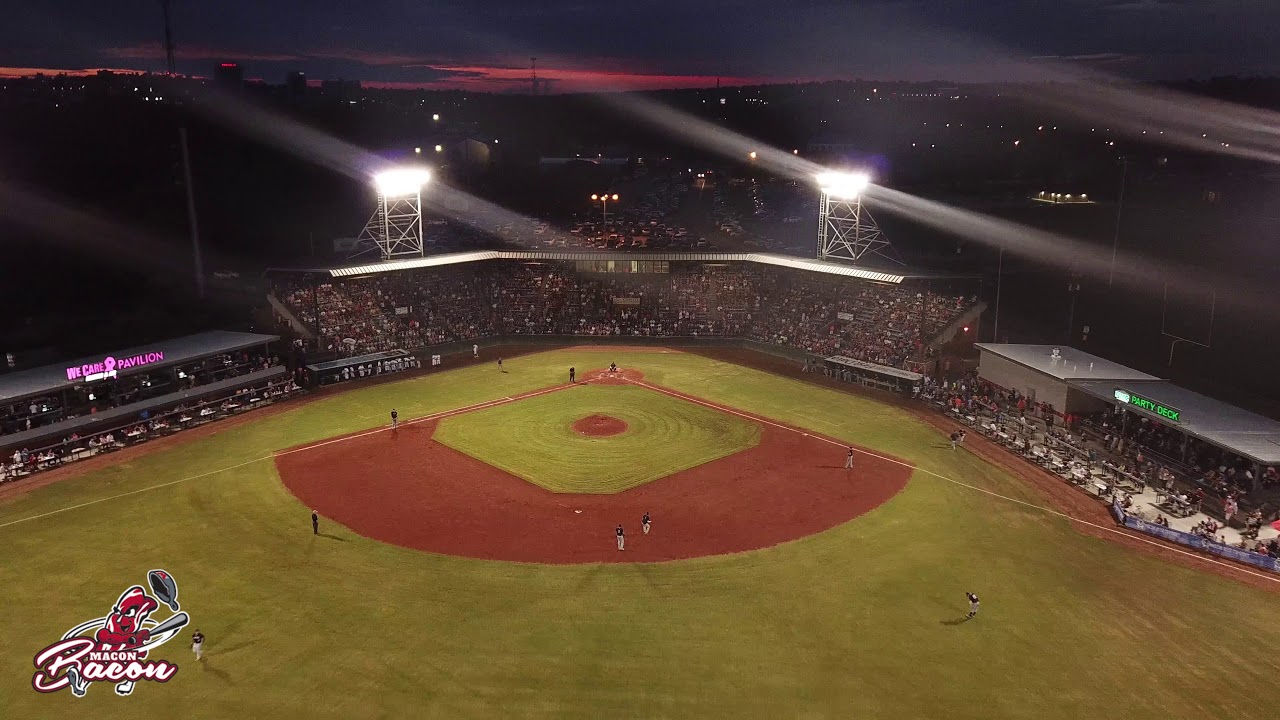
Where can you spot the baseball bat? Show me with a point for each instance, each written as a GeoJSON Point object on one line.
{"type": "Point", "coordinates": [173, 623]}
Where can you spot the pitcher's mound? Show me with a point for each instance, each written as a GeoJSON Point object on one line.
{"type": "Point", "coordinates": [600, 426]}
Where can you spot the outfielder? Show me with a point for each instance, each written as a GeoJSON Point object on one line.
{"type": "Point", "coordinates": [197, 644]}
{"type": "Point", "coordinates": [475, 351]}
{"type": "Point", "coordinates": [622, 537]}
{"type": "Point", "coordinates": [848, 459]}
{"type": "Point", "coordinates": [973, 605]}
{"type": "Point", "coordinates": [395, 419]}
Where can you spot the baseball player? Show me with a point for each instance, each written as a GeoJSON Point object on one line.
{"type": "Point", "coordinates": [395, 419]}
{"type": "Point", "coordinates": [475, 351]}
{"type": "Point", "coordinates": [848, 459]}
{"type": "Point", "coordinates": [973, 605]}
{"type": "Point", "coordinates": [571, 374]}
{"type": "Point", "coordinates": [499, 364]}
{"type": "Point", "coordinates": [197, 643]}
{"type": "Point", "coordinates": [955, 438]}
{"type": "Point", "coordinates": [644, 523]}
{"type": "Point", "coordinates": [315, 523]}
{"type": "Point", "coordinates": [613, 367]}
{"type": "Point", "coordinates": [622, 537]}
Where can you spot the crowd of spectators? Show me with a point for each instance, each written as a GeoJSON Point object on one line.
{"type": "Point", "coordinates": [827, 315]}
{"type": "Point", "coordinates": [89, 399]}
{"type": "Point", "coordinates": [147, 425]}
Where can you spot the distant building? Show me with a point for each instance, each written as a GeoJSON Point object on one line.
{"type": "Point", "coordinates": [229, 76]}
{"type": "Point", "coordinates": [340, 90]}
{"type": "Point", "coordinates": [296, 84]}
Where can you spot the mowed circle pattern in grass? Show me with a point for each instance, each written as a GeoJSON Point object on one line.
{"type": "Point", "coordinates": [534, 439]}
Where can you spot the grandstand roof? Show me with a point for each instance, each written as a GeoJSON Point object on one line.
{"type": "Point", "coordinates": [1247, 434]}
{"type": "Point", "coordinates": [832, 268]}
{"type": "Point", "coordinates": [50, 378]}
{"type": "Point", "coordinates": [1227, 426]}
{"type": "Point", "coordinates": [1071, 363]}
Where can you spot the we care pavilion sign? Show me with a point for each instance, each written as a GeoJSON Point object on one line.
{"type": "Point", "coordinates": [1128, 398]}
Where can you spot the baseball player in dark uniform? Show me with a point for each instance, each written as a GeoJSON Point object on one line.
{"type": "Point", "coordinates": [315, 523]}
{"type": "Point", "coordinates": [613, 367]}
{"type": "Point", "coordinates": [973, 605]}
{"type": "Point", "coordinates": [955, 438]}
{"type": "Point", "coordinates": [571, 374]}
{"type": "Point", "coordinates": [622, 537]}
{"type": "Point", "coordinates": [197, 643]}
{"type": "Point", "coordinates": [395, 418]}
{"type": "Point", "coordinates": [848, 459]}
{"type": "Point", "coordinates": [644, 523]}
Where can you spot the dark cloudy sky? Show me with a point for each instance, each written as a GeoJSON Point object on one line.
{"type": "Point", "coordinates": [592, 44]}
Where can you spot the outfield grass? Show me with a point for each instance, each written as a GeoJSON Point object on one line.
{"type": "Point", "coordinates": [850, 623]}
{"type": "Point", "coordinates": [534, 438]}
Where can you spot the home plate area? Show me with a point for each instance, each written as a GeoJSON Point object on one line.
{"type": "Point", "coordinates": [408, 488]}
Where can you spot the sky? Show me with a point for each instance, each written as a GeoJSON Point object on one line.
{"type": "Point", "coordinates": [586, 45]}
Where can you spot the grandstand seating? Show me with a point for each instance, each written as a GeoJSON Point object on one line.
{"type": "Point", "coordinates": [822, 314]}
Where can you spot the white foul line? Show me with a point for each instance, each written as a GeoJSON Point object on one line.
{"type": "Point", "coordinates": [425, 418]}
{"type": "Point", "coordinates": [896, 461]}
{"type": "Point", "coordinates": [671, 393]}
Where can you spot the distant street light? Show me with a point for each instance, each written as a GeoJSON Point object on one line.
{"type": "Point", "coordinates": [439, 148]}
{"type": "Point", "coordinates": [752, 155]}
{"type": "Point", "coordinates": [604, 204]}
{"type": "Point", "coordinates": [436, 117]}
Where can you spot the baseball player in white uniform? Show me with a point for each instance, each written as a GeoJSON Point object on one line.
{"type": "Point", "coordinates": [197, 644]}
{"type": "Point", "coordinates": [622, 538]}
{"type": "Point", "coordinates": [848, 459]}
{"type": "Point", "coordinates": [973, 605]}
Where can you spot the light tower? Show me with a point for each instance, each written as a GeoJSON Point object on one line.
{"type": "Point", "coordinates": [846, 231]}
{"type": "Point", "coordinates": [396, 226]}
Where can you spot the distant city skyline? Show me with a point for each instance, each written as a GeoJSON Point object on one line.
{"type": "Point", "coordinates": [610, 45]}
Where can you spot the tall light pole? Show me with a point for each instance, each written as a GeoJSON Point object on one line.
{"type": "Point", "coordinates": [995, 323]}
{"type": "Point", "coordinates": [604, 205]}
{"type": "Point", "coordinates": [396, 226]}
{"type": "Point", "coordinates": [1115, 242]}
{"type": "Point", "coordinates": [845, 229]}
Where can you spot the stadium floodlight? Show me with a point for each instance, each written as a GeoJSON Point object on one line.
{"type": "Point", "coordinates": [399, 182]}
{"type": "Point", "coordinates": [396, 226]}
{"type": "Point", "coordinates": [845, 229]}
{"type": "Point", "coordinates": [843, 185]}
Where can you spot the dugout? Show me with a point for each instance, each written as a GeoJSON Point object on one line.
{"type": "Point", "coordinates": [883, 377]}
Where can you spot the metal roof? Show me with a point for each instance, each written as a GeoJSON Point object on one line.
{"type": "Point", "coordinates": [1071, 364]}
{"type": "Point", "coordinates": [50, 378]}
{"type": "Point", "coordinates": [1227, 426]}
{"type": "Point", "coordinates": [796, 263]}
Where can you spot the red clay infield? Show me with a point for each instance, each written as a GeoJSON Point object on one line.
{"type": "Point", "coordinates": [600, 426]}
{"type": "Point", "coordinates": [404, 488]}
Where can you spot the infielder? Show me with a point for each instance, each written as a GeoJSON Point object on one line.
{"type": "Point", "coordinates": [973, 605]}
{"type": "Point", "coordinates": [499, 364]}
{"type": "Point", "coordinates": [395, 419]}
{"type": "Point", "coordinates": [644, 523]}
{"type": "Point", "coordinates": [571, 374]}
{"type": "Point", "coordinates": [622, 537]}
{"type": "Point", "coordinates": [197, 644]}
{"type": "Point", "coordinates": [848, 459]}
{"type": "Point", "coordinates": [315, 523]}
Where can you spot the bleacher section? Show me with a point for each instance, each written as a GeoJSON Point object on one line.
{"type": "Point", "coordinates": [817, 313]}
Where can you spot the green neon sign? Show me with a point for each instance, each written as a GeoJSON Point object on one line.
{"type": "Point", "coordinates": [1151, 406]}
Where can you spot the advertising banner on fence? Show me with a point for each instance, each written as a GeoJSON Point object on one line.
{"type": "Point", "coordinates": [1199, 543]}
